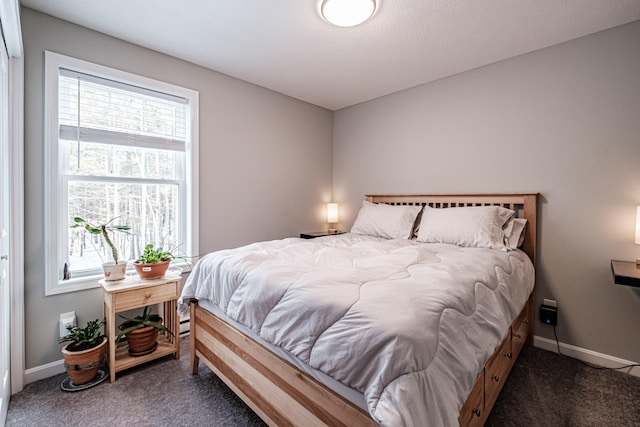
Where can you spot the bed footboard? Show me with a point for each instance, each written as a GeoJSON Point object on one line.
{"type": "Point", "coordinates": [275, 390]}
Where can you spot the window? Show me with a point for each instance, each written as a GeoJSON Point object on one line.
{"type": "Point", "coordinates": [117, 146]}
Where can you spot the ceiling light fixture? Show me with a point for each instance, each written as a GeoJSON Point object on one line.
{"type": "Point", "coordinates": [347, 13]}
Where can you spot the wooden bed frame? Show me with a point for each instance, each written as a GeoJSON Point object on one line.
{"type": "Point", "coordinates": [282, 395]}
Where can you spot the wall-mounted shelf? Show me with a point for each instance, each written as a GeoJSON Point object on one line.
{"type": "Point", "coordinates": [625, 273]}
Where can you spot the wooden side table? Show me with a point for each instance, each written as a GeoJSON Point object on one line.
{"type": "Point", "coordinates": [133, 292]}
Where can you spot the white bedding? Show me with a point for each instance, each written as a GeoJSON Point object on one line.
{"type": "Point", "coordinates": [407, 324]}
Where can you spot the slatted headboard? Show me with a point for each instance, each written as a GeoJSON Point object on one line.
{"type": "Point", "coordinates": [524, 204]}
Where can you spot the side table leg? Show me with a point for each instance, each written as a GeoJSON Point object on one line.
{"type": "Point", "coordinates": [172, 322]}
{"type": "Point", "coordinates": [176, 326]}
{"type": "Point", "coordinates": [111, 344]}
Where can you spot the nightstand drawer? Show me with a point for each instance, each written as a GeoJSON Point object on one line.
{"type": "Point", "coordinates": [145, 296]}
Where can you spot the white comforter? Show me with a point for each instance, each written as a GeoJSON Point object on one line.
{"type": "Point", "coordinates": [407, 324]}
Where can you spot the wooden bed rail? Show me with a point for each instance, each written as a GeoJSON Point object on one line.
{"type": "Point", "coordinates": [282, 395]}
{"type": "Point", "coordinates": [278, 392]}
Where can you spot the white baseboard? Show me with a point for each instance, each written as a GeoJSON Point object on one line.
{"type": "Point", "coordinates": [44, 371]}
{"type": "Point", "coordinates": [588, 356]}
{"type": "Point", "coordinates": [54, 368]}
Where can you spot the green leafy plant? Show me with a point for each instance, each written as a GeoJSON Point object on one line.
{"type": "Point", "coordinates": [141, 321]}
{"type": "Point", "coordinates": [103, 230]}
{"type": "Point", "coordinates": [154, 256]}
{"type": "Point", "coordinates": [84, 338]}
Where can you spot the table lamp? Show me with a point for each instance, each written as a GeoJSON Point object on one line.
{"type": "Point", "coordinates": [332, 217]}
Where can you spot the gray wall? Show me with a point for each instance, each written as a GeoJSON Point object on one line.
{"type": "Point", "coordinates": [563, 121]}
{"type": "Point", "coordinates": [265, 162]}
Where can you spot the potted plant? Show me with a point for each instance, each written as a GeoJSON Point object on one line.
{"type": "Point", "coordinates": [84, 355]}
{"type": "Point", "coordinates": [112, 270]}
{"type": "Point", "coordinates": [153, 262]}
{"type": "Point", "coordinates": [141, 332]}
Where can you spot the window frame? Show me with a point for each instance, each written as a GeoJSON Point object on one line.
{"type": "Point", "coordinates": [54, 203]}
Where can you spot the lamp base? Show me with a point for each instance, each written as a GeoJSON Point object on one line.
{"type": "Point", "coordinates": [336, 231]}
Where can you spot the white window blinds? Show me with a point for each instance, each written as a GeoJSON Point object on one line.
{"type": "Point", "coordinates": [94, 109]}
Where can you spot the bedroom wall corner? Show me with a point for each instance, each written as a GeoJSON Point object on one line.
{"type": "Point", "coordinates": [562, 121]}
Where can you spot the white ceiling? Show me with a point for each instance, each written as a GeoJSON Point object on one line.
{"type": "Point", "coordinates": [284, 45]}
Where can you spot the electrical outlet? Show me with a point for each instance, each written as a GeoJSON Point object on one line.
{"type": "Point", "coordinates": [67, 319]}
{"type": "Point", "coordinates": [548, 314]}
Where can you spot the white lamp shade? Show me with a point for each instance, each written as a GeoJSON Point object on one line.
{"type": "Point", "coordinates": [332, 212]}
{"type": "Point", "coordinates": [638, 225]}
{"type": "Point", "coordinates": [347, 13]}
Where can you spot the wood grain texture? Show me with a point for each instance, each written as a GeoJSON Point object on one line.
{"type": "Point", "coordinates": [283, 395]}
{"type": "Point", "coordinates": [277, 391]}
{"type": "Point", "coordinates": [134, 293]}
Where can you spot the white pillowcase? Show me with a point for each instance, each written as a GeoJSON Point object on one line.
{"type": "Point", "coordinates": [382, 220]}
{"type": "Point", "coordinates": [477, 226]}
{"type": "Point", "coordinates": [514, 233]}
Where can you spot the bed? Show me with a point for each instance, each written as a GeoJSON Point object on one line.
{"type": "Point", "coordinates": [328, 369]}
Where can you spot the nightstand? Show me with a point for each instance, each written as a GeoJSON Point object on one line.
{"type": "Point", "coordinates": [133, 292]}
{"type": "Point", "coordinates": [315, 234]}
{"type": "Point", "coordinates": [625, 273]}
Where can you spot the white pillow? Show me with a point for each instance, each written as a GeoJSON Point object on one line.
{"type": "Point", "coordinates": [514, 233]}
{"type": "Point", "coordinates": [477, 226]}
{"type": "Point", "coordinates": [381, 220]}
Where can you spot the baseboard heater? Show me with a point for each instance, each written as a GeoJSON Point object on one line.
{"type": "Point", "coordinates": [185, 326]}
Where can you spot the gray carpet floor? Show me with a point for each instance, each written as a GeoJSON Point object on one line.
{"type": "Point", "coordinates": [544, 389]}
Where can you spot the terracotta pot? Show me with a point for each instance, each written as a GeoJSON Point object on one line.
{"type": "Point", "coordinates": [151, 271]}
{"type": "Point", "coordinates": [82, 366]}
{"type": "Point", "coordinates": [142, 341]}
{"type": "Point", "coordinates": [113, 271]}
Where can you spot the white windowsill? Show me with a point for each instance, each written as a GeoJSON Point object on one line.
{"type": "Point", "coordinates": [90, 282]}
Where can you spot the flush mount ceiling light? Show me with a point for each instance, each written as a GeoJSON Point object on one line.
{"type": "Point", "coordinates": [347, 13]}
